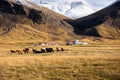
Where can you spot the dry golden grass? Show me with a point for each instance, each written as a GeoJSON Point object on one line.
{"type": "Point", "coordinates": [90, 62]}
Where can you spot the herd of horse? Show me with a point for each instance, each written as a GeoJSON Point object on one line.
{"type": "Point", "coordinates": [42, 50]}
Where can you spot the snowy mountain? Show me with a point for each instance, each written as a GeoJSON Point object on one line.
{"type": "Point", "coordinates": [70, 8]}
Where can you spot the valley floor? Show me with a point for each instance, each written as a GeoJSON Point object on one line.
{"type": "Point", "coordinates": [78, 62]}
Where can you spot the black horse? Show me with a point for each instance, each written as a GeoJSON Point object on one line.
{"type": "Point", "coordinates": [49, 50]}
{"type": "Point", "coordinates": [36, 51]}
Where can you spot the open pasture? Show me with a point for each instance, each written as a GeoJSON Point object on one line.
{"type": "Point", "coordinates": [78, 62]}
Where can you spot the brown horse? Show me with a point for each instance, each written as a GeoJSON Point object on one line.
{"type": "Point", "coordinates": [12, 51]}
{"type": "Point", "coordinates": [26, 50]}
{"type": "Point", "coordinates": [16, 51]}
{"type": "Point", "coordinates": [62, 49]}
{"type": "Point", "coordinates": [57, 49]}
{"type": "Point", "coordinates": [19, 52]}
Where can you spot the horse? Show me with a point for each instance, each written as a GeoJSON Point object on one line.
{"type": "Point", "coordinates": [12, 51]}
{"type": "Point", "coordinates": [49, 50]}
{"type": "Point", "coordinates": [26, 50]}
{"type": "Point", "coordinates": [57, 49]}
{"type": "Point", "coordinates": [19, 52]}
{"type": "Point", "coordinates": [35, 51]}
{"type": "Point", "coordinates": [16, 51]}
{"type": "Point", "coordinates": [43, 50]}
{"type": "Point", "coordinates": [62, 49]}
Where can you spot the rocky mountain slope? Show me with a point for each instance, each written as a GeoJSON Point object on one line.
{"type": "Point", "coordinates": [69, 8]}
{"type": "Point", "coordinates": [22, 23]}
{"type": "Point", "coordinates": [104, 23]}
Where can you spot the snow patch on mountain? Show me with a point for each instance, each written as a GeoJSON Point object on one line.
{"type": "Point", "coordinates": [69, 8]}
{"type": "Point", "coordinates": [24, 2]}
{"type": "Point", "coordinates": [78, 9]}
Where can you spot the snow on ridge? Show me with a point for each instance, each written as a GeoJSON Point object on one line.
{"type": "Point", "coordinates": [24, 2]}
{"type": "Point", "coordinates": [69, 8]}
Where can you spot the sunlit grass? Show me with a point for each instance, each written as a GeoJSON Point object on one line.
{"type": "Point", "coordinates": [90, 62]}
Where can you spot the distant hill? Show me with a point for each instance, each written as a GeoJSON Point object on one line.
{"type": "Point", "coordinates": [21, 23]}
{"type": "Point", "coordinates": [104, 23]}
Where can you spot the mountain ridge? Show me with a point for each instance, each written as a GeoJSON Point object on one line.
{"type": "Point", "coordinates": [22, 23]}
{"type": "Point", "coordinates": [104, 23]}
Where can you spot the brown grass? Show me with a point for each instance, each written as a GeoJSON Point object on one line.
{"type": "Point", "coordinates": [90, 62]}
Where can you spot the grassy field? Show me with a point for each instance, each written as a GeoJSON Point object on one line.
{"type": "Point", "coordinates": [79, 62]}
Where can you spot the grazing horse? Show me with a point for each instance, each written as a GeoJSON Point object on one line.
{"type": "Point", "coordinates": [62, 49]}
{"type": "Point", "coordinates": [19, 52]}
{"type": "Point", "coordinates": [57, 49]}
{"type": "Point", "coordinates": [12, 51]}
{"type": "Point", "coordinates": [43, 50]}
{"type": "Point", "coordinates": [16, 51]}
{"type": "Point", "coordinates": [35, 51]}
{"type": "Point", "coordinates": [26, 50]}
{"type": "Point", "coordinates": [49, 50]}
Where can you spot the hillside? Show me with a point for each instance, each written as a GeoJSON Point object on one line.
{"type": "Point", "coordinates": [34, 23]}
{"type": "Point", "coordinates": [22, 23]}
{"type": "Point", "coordinates": [104, 23]}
